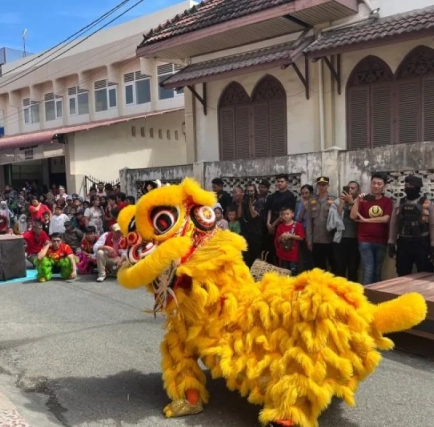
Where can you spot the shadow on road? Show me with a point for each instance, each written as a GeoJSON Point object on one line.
{"type": "Point", "coordinates": [131, 397]}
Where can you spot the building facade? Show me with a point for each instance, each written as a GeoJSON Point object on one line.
{"type": "Point", "coordinates": [284, 78]}
{"type": "Point", "coordinates": [95, 109]}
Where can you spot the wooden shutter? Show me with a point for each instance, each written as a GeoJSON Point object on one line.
{"type": "Point", "coordinates": [278, 128]}
{"type": "Point", "coordinates": [227, 133]}
{"type": "Point", "coordinates": [408, 114]}
{"type": "Point", "coordinates": [381, 114]}
{"type": "Point", "coordinates": [358, 118]}
{"type": "Point", "coordinates": [242, 132]}
{"type": "Point", "coordinates": [261, 130]}
{"type": "Point", "coordinates": [428, 108]}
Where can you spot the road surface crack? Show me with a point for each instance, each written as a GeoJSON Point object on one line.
{"type": "Point", "coordinates": [41, 385]}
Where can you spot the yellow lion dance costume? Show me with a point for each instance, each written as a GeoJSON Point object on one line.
{"type": "Point", "coordinates": [288, 343]}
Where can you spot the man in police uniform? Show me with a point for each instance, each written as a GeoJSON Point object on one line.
{"type": "Point", "coordinates": [318, 239]}
{"type": "Point", "coordinates": [411, 235]}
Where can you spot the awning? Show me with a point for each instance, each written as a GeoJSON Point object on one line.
{"type": "Point", "coordinates": [374, 32]}
{"type": "Point", "coordinates": [47, 136]}
{"type": "Point", "coordinates": [282, 54]}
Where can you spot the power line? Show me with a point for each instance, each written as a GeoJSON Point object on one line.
{"type": "Point", "coordinates": [74, 45]}
{"type": "Point", "coordinates": [73, 36]}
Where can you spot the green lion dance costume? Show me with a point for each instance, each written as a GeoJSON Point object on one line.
{"type": "Point", "coordinates": [46, 266]}
{"type": "Point", "coordinates": [55, 259]}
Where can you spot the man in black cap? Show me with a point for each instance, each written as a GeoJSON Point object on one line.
{"type": "Point", "coordinates": [411, 234]}
{"type": "Point", "coordinates": [318, 239]}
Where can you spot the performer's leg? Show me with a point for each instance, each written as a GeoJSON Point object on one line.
{"type": "Point", "coordinates": [44, 269]}
{"type": "Point", "coordinates": [65, 265]}
{"type": "Point", "coordinates": [184, 380]}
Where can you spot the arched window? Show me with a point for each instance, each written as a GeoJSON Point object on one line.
{"type": "Point", "coordinates": [415, 96]}
{"type": "Point", "coordinates": [252, 128]}
{"type": "Point", "coordinates": [234, 123]}
{"type": "Point", "coordinates": [370, 104]}
{"type": "Point", "coordinates": [269, 118]}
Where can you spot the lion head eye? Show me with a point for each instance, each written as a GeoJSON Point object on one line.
{"type": "Point", "coordinates": [132, 225]}
{"type": "Point", "coordinates": [164, 218]}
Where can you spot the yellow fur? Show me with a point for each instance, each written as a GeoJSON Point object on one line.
{"type": "Point", "coordinates": [288, 343]}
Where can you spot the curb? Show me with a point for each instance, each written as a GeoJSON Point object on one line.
{"type": "Point", "coordinates": [9, 416]}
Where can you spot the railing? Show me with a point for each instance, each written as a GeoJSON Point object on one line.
{"type": "Point", "coordinates": [91, 181]}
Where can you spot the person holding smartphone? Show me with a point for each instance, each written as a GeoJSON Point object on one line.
{"type": "Point", "coordinates": [347, 253]}
{"type": "Point", "coordinates": [372, 212]}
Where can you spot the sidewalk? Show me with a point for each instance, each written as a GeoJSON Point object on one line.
{"type": "Point", "coordinates": [9, 416]}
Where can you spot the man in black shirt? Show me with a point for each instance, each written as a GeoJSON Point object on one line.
{"type": "Point", "coordinates": [223, 198]}
{"type": "Point", "coordinates": [282, 198]}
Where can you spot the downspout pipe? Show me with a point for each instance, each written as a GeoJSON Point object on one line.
{"type": "Point", "coordinates": [321, 105]}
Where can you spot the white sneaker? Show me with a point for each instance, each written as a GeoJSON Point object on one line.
{"type": "Point", "coordinates": [101, 278]}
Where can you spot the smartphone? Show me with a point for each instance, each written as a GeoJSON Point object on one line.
{"type": "Point", "coordinates": [346, 189]}
{"type": "Point", "coordinates": [369, 197]}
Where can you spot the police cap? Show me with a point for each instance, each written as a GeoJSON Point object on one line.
{"type": "Point", "coordinates": [324, 179]}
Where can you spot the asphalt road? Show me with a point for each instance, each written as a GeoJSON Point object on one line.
{"type": "Point", "coordinates": [84, 354]}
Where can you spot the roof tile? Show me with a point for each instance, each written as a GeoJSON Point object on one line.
{"type": "Point", "coordinates": [279, 53]}
{"type": "Point", "coordinates": [206, 14]}
{"type": "Point", "coordinates": [413, 21]}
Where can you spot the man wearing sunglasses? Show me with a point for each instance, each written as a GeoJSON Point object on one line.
{"type": "Point", "coordinates": [56, 257]}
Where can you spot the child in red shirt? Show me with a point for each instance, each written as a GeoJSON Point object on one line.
{"type": "Point", "coordinates": [289, 234]}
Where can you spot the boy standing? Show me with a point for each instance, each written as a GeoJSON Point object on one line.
{"type": "Point", "coordinates": [289, 234]}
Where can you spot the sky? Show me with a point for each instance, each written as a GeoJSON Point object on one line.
{"type": "Point", "coordinates": [48, 22]}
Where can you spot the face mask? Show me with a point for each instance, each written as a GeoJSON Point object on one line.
{"type": "Point", "coordinates": [412, 193]}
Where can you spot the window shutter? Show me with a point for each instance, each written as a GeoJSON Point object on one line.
{"type": "Point", "coordinates": [381, 114]}
{"type": "Point", "coordinates": [227, 133]}
{"type": "Point", "coordinates": [261, 131]}
{"type": "Point", "coordinates": [242, 134]}
{"type": "Point", "coordinates": [358, 118]}
{"type": "Point", "coordinates": [428, 109]}
{"type": "Point", "coordinates": [408, 111]}
{"type": "Point", "coordinates": [277, 120]}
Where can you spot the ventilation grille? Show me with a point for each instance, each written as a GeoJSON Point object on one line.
{"type": "Point", "coordinates": [72, 90]}
{"type": "Point", "coordinates": [128, 77]}
{"type": "Point", "coordinates": [165, 69]}
{"type": "Point", "coordinates": [100, 84]}
{"type": "Point", "coordinates": [49, 96]}
{"type": "Point", "coordinates": [26, 102]}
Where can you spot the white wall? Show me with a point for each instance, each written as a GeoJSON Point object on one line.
{"type": "Point", "coordinates": [392, 55]}
{"type": "Point", "coordinates": [103, 151]}
{"type": "Point", "coordinates": [302, 114]}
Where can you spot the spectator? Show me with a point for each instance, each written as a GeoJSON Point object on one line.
{"type": "Point", "coordinates": [120, 200]}
{"type": "Point", "coordinates": [319, 240]}
{"type": "Point", "coordinates": [283, 197]}
{"type": "Point", "coordinates": [220, 221]}
{"type": "Point", "coordinates": [252, 223]}
{"type": "Point", "coordinates": [46, 222]}
{"type": "Point", "coordinates": [95, 216]}
{"type": "Point", "coordinates": [37, 209]}
{"type": "Point", "coordinates": [223, 198]}
{"type": "Point", "coordinates": [289, 233]}
{"type": "Point", "coordinates": [87, 259]}
{"type": "Point", "coordinates": [373, 212]}
{"type": "Point", "coordinates": [55, 256]}
{"type": "Point", "coordinates": [130, 200]}
{"type": "Point", "coordinates": [73, 237]}
{"type": "Point", "coordinates": [306, 262]}
{"type": "Point", "coordinates": [57, 221]}
{"type": "Point", "coordinates": [107, 252]}
{"type": "Point", "coordinates": [347, 255]}
{"type": "Point", "coordinates": [100, 189]}
{"type": "Point", "coordinates": [35, 240]}
{"type": "Point", "coordinates": [233, 223]}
